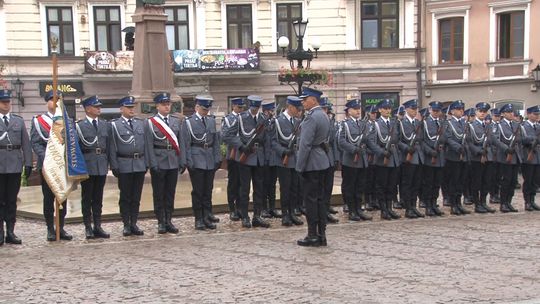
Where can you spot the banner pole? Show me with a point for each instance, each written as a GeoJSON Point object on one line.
{"type": "Point", "coordinates": [54, 45]}
{"type": "Point", "coordinates": [57, 219]}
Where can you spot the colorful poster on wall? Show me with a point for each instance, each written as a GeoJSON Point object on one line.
{"type": "Point", "coordinates": [121, 61]}
{"type": "Point", "coordinates": [213, 60]}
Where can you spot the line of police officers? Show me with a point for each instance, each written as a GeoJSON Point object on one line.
{"type": "Point", "coordinates": [419, 153]}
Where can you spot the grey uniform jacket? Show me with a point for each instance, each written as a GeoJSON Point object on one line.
{"type": "Point", "coordinates": [271, 157]}
{"type": "Point", "coordinates": [455, 132]}
{"type": "Point", "coordinates": [480, 138]}
{"type": "Point", "coordinates": [355, 137]}
{"type": "Point", "coordinates": [126, 141]}
{"type": "Point", "coordinates": [281, 138]}
{"type": "Point", "coordinates": [39, 140]}
{"type": "Point", "coordinates": [382, 135]}
{"type": "Point", "coordinates": [240, 133]}
{"type": "Point", "coordinates": [531, 141]}
{"type": "Point", "coordinates": [228, 122]}
{"type": "Point", "coordinates": [506, 131]}
{"type": "Point", "coordinates": [313, 146]}
{"type": "Point", "coordinates": [94, 145]}
{"type": "Point", "coordinates": [434, 141]}
{"type": "Point", "coordinates": [168, 158]}
{"type": "Point", "coordinates": [333, 152]}
{"type": "Point", "coordinates": [12, 160]}
{"type": "Point", "coordinates": [201, 141]}
{"type": "Point", "coordinates": [411, 136]}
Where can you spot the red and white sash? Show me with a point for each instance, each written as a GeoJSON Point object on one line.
{"type": "Point", "coordinates": [168, 132]}
{"type": "Point", "coordinates": [45, 122]}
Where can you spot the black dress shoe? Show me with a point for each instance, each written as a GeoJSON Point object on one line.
{"type": "Point", "coordinates": [385, 216]}
{"type": "Point", "coordinates": [64, 235]}
{"type": "Point", "coordinates": [331, 218]}
{"type": "Point", "coordinates": [275, 213]}
{"type": "Point", "coordinates": [467, 200]}
{"type": "Point", "coordinates": [430, 212]}
{"type": "Point", "coordinates": [89, 233]}
{"type": "Point", "coordinates": [354, 217]}
{"type": "Point", "coordinates": [259, 222]}
{"type": "Point", "coordinates": [233, 216]}
{"type": "Point", "coordinates": [394, 215]}
{"type": "Point", "coordinates": [488, 209]}
{"type": "Point", "coordinates": [309, 241]}
{"type": "Point", "coordinates": [100, 233]}
{"type": "Point", "coordinates": [528, 207]}
{"type": "Point", "coordinates": [246, 222]}
{"type": "Point", "coordinates": [286, 220]}
{"type": "Point", "coordinates": [463, 210]}
{"type": "Point", "coordinates": [332, 210]}
{"type": "Point", "coordinates": [436, 209]}
{"type": "Point", "coordinates": [323, 241]}
{"type": "Point", "coordinates": [11, 238]}
{"type": "Point", "coordinates": [512, 209]}
{"type": "Point", "coordinates": [410, 214]}
{"type": "Point", "coordinates": [162, 228]}
{"type": "Point", "coordinates": [126, 231]}
{"type": "Point", "coordinates": [296, 220]}
{"type": "Point", "coordinates": [504, 208]}
{"type": "Point", "coordinates": [417, 212]}
{"type": "Point", "coordinates": [212, 218]}
{"type": "Point", "coordinates": [136, 230]}
{"type": "Point", "coordinates": [266, 214]}
{"type": "Point", "coordinates": [51, 235]}
{"type": "Point", "coordinates": [199, 225]}
{"type": "Point", "coordinates": [478, 208]}
{"type": "Point", "coordinates": [171, 228]}
{"type": "Point", "coordinates": [208, 224]}
{"type": "Point", "coordinates": [455, 210]}
{"type": "Point", "coordinates": [364, 216]}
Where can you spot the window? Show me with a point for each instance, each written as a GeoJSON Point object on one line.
{"type": "Point", "coordinates": [60, 25]}
{"type": "Point", "coordinates": [380, 24]}
{"type": "Point", "coordinates": [451, 40]}
{"type": "Point", "coordinates": [239, 26]}
{"type": "Point", "coordinates": [286, 14]}
{"type": "Point", "coordinates": [177, 27]}
{"type": "Point", "coordinates": [107, 28]}
{"type": "Point", "coordinates": [511, 34]}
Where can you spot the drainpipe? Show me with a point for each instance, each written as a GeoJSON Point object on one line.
{"type": "Point", "coordinates": [418, 51]}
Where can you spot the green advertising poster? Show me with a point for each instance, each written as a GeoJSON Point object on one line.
{"type": "Point", "coordinates": [373, 98]}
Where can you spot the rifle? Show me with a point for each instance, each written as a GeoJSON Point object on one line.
{"type": "Point", "coordinates": [512, 145]}
{"type": "Point", "coordinates": [530, 155]}
{"type": "Point", "coordinates": [483, 159]}
{"type": "Point", "coordinates": [463, 140]}
{"type": "Point", "coordinates": [251, 142]}
{"type": "Point", "coordinates": [388, 143]}
{"type": "Point", "coordinates": [438, 146]}
{"type": "Point", "coordinates": [357, 155]}
{"type": "Point", "coordinates": [409, 156]}
{"type": "Point", "coordinates": [292, 142]}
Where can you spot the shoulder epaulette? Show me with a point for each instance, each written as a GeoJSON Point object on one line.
{"type": "Point", "coordinates": [16, 115]}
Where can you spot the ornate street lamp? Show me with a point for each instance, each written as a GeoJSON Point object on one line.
{"type": "Point", "coordinates": [18, 86]}
{"type": "Point", "coordinates": [536, 76]}
{"type": "Point", "coordinates": [297, 57]}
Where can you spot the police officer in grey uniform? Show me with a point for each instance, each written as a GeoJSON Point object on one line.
{"type": "Point", "coordinates": [369, 194]}
{"type": "Point", "coordinates": [233, 178]}
{"type": "Point", "coordinates": [354, 137]}
{"type": "Point", "coordinates": [94, 142]}
{"type": "Point", "coordinates": [530, 168]}
{"type": "Point", "coordinates": [247, 136]}
{"type": "Point", "coordinates": [494, 192]}
{"type": "Point", "coordinates": [167, 157]}
{"type": "Point", "coordinates": [312, 162]}
{"type": "Point", "coordinates": [15, 153]}
{"type": "Point", "coordinates": [284, 141]}
{"type": "Point", "coordinates": [128, 162]}
{"type": "Point", "coordinates": [39, 136]}
{"type": "Point", "coordinates": [479, 141]}
{"type": "Point", "coordinates": [412, 158]}
{"type": "Point", "coordinates": [271, 164]}
{"type": "Point", "coordinates": [203, 158]}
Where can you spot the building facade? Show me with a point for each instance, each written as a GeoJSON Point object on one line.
{"type": "Point", "coordinates": [369, 48]}
{"type": "Point", "coordinates": [482, 50]}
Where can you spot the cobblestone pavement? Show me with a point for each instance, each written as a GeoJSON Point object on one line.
{"type": "Point", "coordinates": [469, 259]}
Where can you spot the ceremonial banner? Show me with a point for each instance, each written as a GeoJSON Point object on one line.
{"type": "Point", "coordinates": [64, 166]}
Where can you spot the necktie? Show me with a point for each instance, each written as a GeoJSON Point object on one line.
{"type": "Point", "coordinates": [484, 125]}
{"type": "Point", "coordinates": [130, 122]}
{"type": "Point", "coordinates": [94, 123]}
{"type": "Point", "coordinates": [292, 121]}
{"type": "Point", "coordinates": [534, 126]}
{"type": "Point", "coordinates": [437, 123]}
{"type": "Point", "coordinates": [255, 119]}
{"type": "Point", "coordinates": [388, 124]}
{"type": "Point", "coordinates": [6, 122]}
{"type": "Point", "coordinates": [204, 121]}
{"type": "Point", "coordinates": [413, 123]}
{"type": "Point", "coordinates": [166, 120]}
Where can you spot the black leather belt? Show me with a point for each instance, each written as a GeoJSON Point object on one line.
{"type": "Point", "coordinates": [98, 151]}
{"type": "Point", "coordinates": [133, 156]}
{"type": "Point", "coordinates": [202, 145]}
{"type": "Point", "coordinates": [10, 147]}
{"type": "Point", "coordinates": [167, 147]}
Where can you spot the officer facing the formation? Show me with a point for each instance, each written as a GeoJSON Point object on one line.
{"type": "Point", "coordinates": [247, 136]}
{"type": "Point", "coordinates": [508, 156]}
{"type": "Point", "coordinates": [354, 138]}
{"type": "Point", "coordinates": [434, 160]}
{"type": "Point", "coordinates": [203, 158]}
{"type": "Point", "coordinates": [370, 199]}
{"type": "Point", "coordinates": [271, 164]}
{"type": "Point", "coordinates": [412, 158]}
{"type": "Point", "coordinates": [312, 162]}
{"type": "Point", "coordinates": [479, 141]}
{"type": "Point", "coordinates": [530, 168]}
{"type": "Point", "coordinates": [129, 163]}
{"type": "Point", "coordinates": [387, 159]}
{"type": "Point", "coordinates": [39, 136]}
{"type": "Point", "coordinates": [284, 144]}
{"type": "Point", "coordinates": [15, 154]}
{"type": "Point", "coordinates": [233, 178]}
{"type": "Point", "coordinates": [166, 157]}
{"type": "Point", "coordinates": [334, 160]}
{"type": "Point", "coordinates": [494, 192]}
{"type": "Point", "coordinates": [94, 142]}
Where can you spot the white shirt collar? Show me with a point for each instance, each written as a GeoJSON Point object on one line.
{"type": "Point", "coordinates": [6, 115]}
{"type": "Point", "coordinates": [92, 119]}
{"type": "Point", "coordinates": [411, 120]}
{"type": "Point", "coordinates": [531, 123]}
{"type": "Point", "coordinates": [385, 119]}
{"type": "Point", "coordinates": [478, 120]}
{"type": "Point", "coordinates": [126, 119]}
{"type": "Point", "coordinates": [507, 121]}
{"type": "Point", "coordinates": [198, 115]}
{"type": "Point", "coordinates": [286, 113]}
{"type": "Point", "coordinates": [434, 118]}
{"type": "Point", "coordinates": [163, 117]}
{"type": "Point", "coordinates": [235, 114]}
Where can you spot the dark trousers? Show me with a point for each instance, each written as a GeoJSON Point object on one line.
{"type": "Point", "coordinates": [352, 185]}
{"type": "Point", "coordinates": [495, 179]}
{"type": "Point", "coordinates": [163, 191]}
{"type": "Point", "coordinates": [445, 181]}
{"type": "Point", "coordinates": [329, 185]}
{"type": "Point", "coordinates": [130, 186]}
{"type": "Point", "coordinates": [290, 195]}
{"type": "Point", "coordinates": [386, 180]}
{"type": "Point", "coordinates": [233, 185]}
{"type": "Point", "coordinates": [531, 179]}
{"type": "Point", "coordinates": [431, 182]}
{"type": "Point", "coordinates": [48, 204]}
{"type": "Point", "coordinates": [10, 185]}
{"type": "Point", "coordinates": [480, 181]}
{"type": "Point", "coordinates": [456, 176]}
{"type": "Point", "coordinates": [410, 183]}
{"type": "Point", "coordinates": [202, 182]}
{"type": "Point", "coordinates": [370, 180]}
{"type": "Point", "coordinates": [466, 180]}
{"type": "Point", "coordinates": [509, 175]}
{"type": "Point", "coordinates": [270, 179]}
{"type": "Point", "coordinates": [92, 198]}
{"type": "Point", "coordinates": [250, 174]}
{"type": "Point", "coordinates": [313, 199]}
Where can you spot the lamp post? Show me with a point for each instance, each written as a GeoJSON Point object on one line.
{"type": "Point", "coordinates": [18, 86]}
{"type": "Point", "coordinates": [297, 57]}
{"type": "Point", "coordinates": [536, 76]}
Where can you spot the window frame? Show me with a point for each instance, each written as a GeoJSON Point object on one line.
{"type": "Point", "coordinates": [95, 23]}
{"type": "Point", "coordinates": [509, 47]}
{"type": "Point", "coordinates": [176, 23]}
{"type": "Point", "coordinates": [290, 35]}
{"type": "Point", "coordinates": [239, 32]}
{"type": "Point", "coordinates": [61, 25]}
{"type": "Point", "coordinates": [452, 40]}
{"type": "Point", "coordinates": [380, 17]}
